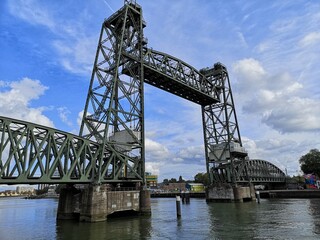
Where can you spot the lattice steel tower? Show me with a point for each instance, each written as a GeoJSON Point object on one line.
{"type": "Point", "coordinates": [225, 154]}
{"type": "Point", "coordinates": [114, 111]}
{"type": "Point", "coordinates": [113, 114]}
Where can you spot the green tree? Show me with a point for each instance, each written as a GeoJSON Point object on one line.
{"type": "Point", "coordinates": [202, 178]}
{"type": "Point", "coordinates": [165, 181]}
{"type": "Point", "coordinates": [172, 180]}
{"type": "Point", "coordinates": [310, 163]}
{"type": "Point", "coordinates": [181, 179]}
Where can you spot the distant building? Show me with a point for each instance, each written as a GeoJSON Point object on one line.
{"type": "Point", "coordinates": [24, 189]}
{"type": "Point", "coordinates": [174, 187]}
{"type": "Point", "coordinates": [195, 187]}
{"type": "Point", "coordinates": [151, 180]}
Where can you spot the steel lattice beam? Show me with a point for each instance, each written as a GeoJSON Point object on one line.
{"type": "Point", "coordinates": [32, 153]}
{"type": "Point", "coordinates": [260, 171]}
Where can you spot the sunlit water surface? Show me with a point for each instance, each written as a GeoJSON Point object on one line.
{"type": "Point", "coordinates": [271, 219]}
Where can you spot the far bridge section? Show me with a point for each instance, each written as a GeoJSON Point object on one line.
{"type": "Point", "coordinates": [258, 171]}
{"type": "Point", "coordinates": [261, 172]}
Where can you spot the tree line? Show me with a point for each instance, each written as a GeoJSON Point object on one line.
{"type": "Point", "coordinates": [198, 178]}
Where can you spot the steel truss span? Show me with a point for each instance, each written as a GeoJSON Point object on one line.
{"type": "Point", "coordinates": [253, 170]}
{"type": "Point", "coordinates": [32, 153]}
{"type": "Point", "coordinates": [110, 147]}
{"type": "Point", "coordinates": [261, 171]}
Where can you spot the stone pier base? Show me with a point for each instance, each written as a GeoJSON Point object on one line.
{"type": "Point", "coordinates": [228, 193]}
{"type": "Point", "coordinates": [67, 203]}
{"type": "Point", "coordinates": [95, 202]}
{"type": "Point", "coordinates": [145, 204]}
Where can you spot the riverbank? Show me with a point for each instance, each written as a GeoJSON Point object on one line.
{"type": "Point", "coordinates": [174, 194]}
{"type": "Point", "coordinates": [303, 193]}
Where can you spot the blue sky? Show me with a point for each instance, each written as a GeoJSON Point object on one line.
{"type": "Point", "coordinates": [271, 50]}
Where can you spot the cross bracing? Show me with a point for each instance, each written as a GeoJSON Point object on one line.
{"type": "Point", "coordinates": [31, 153]}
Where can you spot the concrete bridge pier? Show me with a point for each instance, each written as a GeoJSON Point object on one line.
{"type": "Point", "coordinates": [94, 203]}
{"type": "Point", "coordinates": [67, 203]}
{"type": "Point", "coordinates": [145, 204]}
{"type": "Point", "coordinates": [225, 192]}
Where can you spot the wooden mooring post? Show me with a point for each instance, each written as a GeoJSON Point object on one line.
{"type": "Point", "coordinates": [178, 206]}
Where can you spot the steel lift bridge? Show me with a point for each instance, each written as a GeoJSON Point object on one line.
{"type": "Point", "coordinates": [110, 147]}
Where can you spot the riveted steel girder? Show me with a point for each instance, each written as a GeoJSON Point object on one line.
{"type": "Point", "coordinates": [30, 153]}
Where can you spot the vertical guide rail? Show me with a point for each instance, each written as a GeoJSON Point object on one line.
{"type": "Point", "coordinates": [114, 114]}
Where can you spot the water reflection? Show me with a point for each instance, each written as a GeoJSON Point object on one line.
{"type": "Point", "coordinates": [314, 211]}
{"type": "Point", "coordinates": [272, 219]}
{"type": "Point", "coordinates": [133, 227]}
{"type": "Point", "coordinates": [232, 220]}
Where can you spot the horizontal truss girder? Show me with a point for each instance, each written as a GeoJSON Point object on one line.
{"type": "Point", "coordinates": [33, 154]}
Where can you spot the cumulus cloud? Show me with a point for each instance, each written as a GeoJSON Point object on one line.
{"type": "Point", "coordinates": [250, 74]}
{"type": "Point", "coordinates": [191, 154]}
{"type": "Point", "coordinates": [283, 151]}
{"type": "Point", "coordinates": [16, 98]}
{"type": "Point", "coordinates": [155, 151]}
{"type": "Point", "coordinates": [279, 99]}
{"type": "Point", "coordinates": [296, 114]}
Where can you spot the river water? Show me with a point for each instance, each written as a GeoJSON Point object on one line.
{"type": "Point", "coordinates": [271, 219]}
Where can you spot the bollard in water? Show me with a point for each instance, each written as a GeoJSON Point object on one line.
{"type": "Point", "coordinates": [178, 206]}
{"type": "Point", "coordinates": [258, 196]}
{"type": "Point", "coordinates": [187, 196]}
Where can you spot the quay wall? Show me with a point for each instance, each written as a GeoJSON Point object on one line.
{"type": "Point", "coordinates": [305, 193]}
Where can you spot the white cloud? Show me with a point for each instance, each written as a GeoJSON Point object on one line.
{"type": "Point", "coordinates": [32, 12]}
{"type": "Point", "coordinates": [74, 48]}
{"type": "Point", "coordinates": [310, 39]}
{"type": "Point", "coordinates": [282, 150]}
{"type": "Point", "coordinates": [250, 74]}
{"type": "Point", "coordinates": [294, 115]}
{"type": "Point", "coordinates": [63, 114]}
{"type": "Point", "coordinates": [77, 56]}
{"type": "Point", "coordinates": [155, 151]}
{"type": "Point", "coordinates": [153, 167]}
{"type": "Point", "coordinates": [16, 98]}
{"type": "Point", "coordinates": [279, 99]}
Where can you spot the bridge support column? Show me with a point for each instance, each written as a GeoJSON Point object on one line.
{"type": "Point", "coordinates": [94, 203]}
{"type": "Point", "coordinates": [67, 203]}
{"type": "Point", "coordinates": [145, 204]}
{"type": "Point", "coordinates": [225, 192]}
